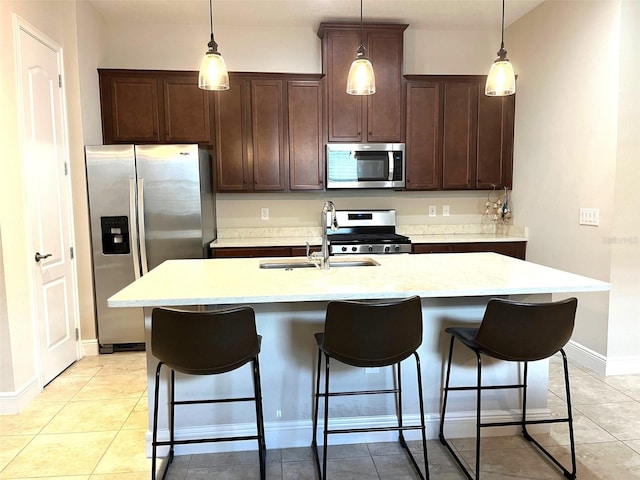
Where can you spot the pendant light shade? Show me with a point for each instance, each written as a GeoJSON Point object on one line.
{"type": "Point", "coordinates": [361, 79]}
{"type": "Point", "coordinates": [213, 71]}
{"type": "Point", "coordinates": [501, 80]}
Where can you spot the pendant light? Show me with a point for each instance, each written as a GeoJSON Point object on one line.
{"type": "Point", "coordinates": [361, 79]}
{"type": "Point", "coordinates": [213, 71]}
{"type": "Point", "coordinates": [501, 80]}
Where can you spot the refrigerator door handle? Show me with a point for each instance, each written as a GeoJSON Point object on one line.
{"type": "Point", "coordinates": [132, 228]}
{"type": "Point", "coordinates": [143, 243]}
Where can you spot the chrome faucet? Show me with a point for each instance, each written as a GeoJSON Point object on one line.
{"type": "Point", "coordinates": [327, 209]}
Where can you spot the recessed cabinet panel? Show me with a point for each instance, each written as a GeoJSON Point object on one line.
{"type": "Point", "coordinates": [422, 148]}
{"type": "Point", "coordinates": [345, 111]}
{"type": "Point", "coordinates": [459, 136]}
{"type": "Point", "coordinates": [231, 137]}
{"type": "Point", "coordinates": [186, 111]}
{"type": "Point", "coordinates": [495, 140]}
{"type": "Point", "coordinates": [267, 119]}
{"type": "Point", "coordinates": [384, 108]}
{"type": "Point", "coordinates": [134, 108]}
{"type": "Point", "coordinates": [304, 103]}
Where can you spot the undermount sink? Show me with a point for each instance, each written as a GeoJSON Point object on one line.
{"type": "Point", "coordinates": [292, 263]}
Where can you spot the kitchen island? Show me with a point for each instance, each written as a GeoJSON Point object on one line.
{"type": "Point", "coordinates": [290, 306]}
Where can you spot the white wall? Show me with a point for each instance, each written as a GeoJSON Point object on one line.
{"type": "Point", "coordinates": [567, 57]}
{"type": "Point", "coordinates": [6, 360]}
{"type": "Point", "coordinates": [624, 312]}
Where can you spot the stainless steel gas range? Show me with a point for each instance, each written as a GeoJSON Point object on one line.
{"type": "Point", "coordinates": [366, 231]}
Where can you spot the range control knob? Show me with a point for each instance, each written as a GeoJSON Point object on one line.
{"type": "Point", "coordinates": [386, 249]}
{"type": "Point", "coordinates": [354, 249]}
{"type": "Point", "coordinates": [371, 248]}
{"type": "Point", "coordinates": [397, 248]}
{"type": "Point", "coordinates": [344, 249]}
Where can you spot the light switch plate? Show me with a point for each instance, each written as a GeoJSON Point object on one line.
{"type": "Point", "coordinates": [432, 210]}
{"type": "Point", "coordinates": [264, 213]}
{"type": "Point", "coordinates": [445, 210]}
{"type": "Point", "coordinates": [590, 216]}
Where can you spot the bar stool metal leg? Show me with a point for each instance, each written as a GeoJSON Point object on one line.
{"type": "Point", "coordinates": [568, 474]}
{"type": "Point", "coordinates": [262, 446]}
{"type": "Point", "coordinates": [154, 441]}
{"type": "Point", "coordinates": [441, 436]}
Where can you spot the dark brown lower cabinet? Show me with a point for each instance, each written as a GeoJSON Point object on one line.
{"type": "Point", "coordinates": [250, 252]}
{"type": "Point", "coordinates": [511, 249]}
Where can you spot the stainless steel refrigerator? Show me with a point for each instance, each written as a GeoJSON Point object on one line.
{"type": "Point", "coordinates": [147, 203]}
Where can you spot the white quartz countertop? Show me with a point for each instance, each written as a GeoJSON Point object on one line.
{"type": "Point", "coordinates": [240, 280]}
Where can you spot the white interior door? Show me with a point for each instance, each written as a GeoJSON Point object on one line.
{"type": "Point", "coordinates": [48, 190]}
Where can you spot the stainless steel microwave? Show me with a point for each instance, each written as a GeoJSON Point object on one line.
{"type": "Point", "coordinates": [365, 165]}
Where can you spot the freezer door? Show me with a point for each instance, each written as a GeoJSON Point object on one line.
{"type": "Point", "coordinates": [111, 191]}
{"type": "Point", "coordinates": [169, 199]}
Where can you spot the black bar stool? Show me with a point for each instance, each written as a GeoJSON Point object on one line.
{"type": "Point", "coordinates": [205, 343]}
{"type": "Point", "coordinates": [515, 332]}
{"type": "Point", "coordinates": [370, 334]}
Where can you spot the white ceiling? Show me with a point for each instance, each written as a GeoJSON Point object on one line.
{"type": "Point", "coordinates": [423, 14]}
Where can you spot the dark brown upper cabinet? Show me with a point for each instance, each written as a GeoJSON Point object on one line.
{"type": "Point", "coordinates": [370, 118]}
{"type": "Point", "coordinates": [423, 126]}
{"type": "Point", "coordinates": [496, 120]}
{"type": "Point", "coordinates": [268, 128]}
{"type": "Point", "coordinates": [457, 138]}
{"type": "Point", "coordinates": [150, 106]}
{"type": "Point", "coordinates": [306, 147]}
{"type": "Point", "coordinates": [459, 130]}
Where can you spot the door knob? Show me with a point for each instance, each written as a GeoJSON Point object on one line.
{"type": "Point", "coordinates": [39, 257]}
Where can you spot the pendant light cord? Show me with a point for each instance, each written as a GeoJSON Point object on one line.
{"type": "Point", "coordinates": [361, 29]}
{"type": "Point", "coordinates": [502, 40]}
{"type": "Point", "coordinates": [211, 16]}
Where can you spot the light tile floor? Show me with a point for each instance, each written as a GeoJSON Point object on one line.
{"type": "Point", "coordinates": [90, 424]}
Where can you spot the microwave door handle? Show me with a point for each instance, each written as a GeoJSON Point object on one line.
{"type": "Point", "coordinates": [391, 164]}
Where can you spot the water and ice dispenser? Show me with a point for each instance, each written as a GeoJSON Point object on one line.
{"type": "Point", "coordinates": [115, 235]}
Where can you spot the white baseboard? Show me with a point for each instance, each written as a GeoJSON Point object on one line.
{"type": "Point", "coordinates": [629, 365]}
{"type": "Point", "coordinates": [14, 402]}
{"type": "Point", "coordinates": [90, 347]}
{"type": "Point", "coordinates": [298, 433]}
{"type": "Point", "coordinates": [586, 357]}
{"type": "Point", "coordinates": [601, 364]}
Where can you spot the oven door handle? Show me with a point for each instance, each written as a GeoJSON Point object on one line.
{"type": "Point", "coordinates": [391, 165]}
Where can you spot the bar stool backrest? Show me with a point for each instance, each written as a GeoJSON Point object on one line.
{"type": "Point", "coordinates": [372, 334]}
{"type": "Point", "coordinates": [204, 343]}
{"type": "Point", "coordinates": [526, 331]}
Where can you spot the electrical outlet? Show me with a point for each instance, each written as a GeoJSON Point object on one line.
{"type": "Point", "coordinates": [432, 211]}
{"type": "Point", "coordinates": [590, 216]}
{"type": "Point", "coordinates": [278, 413]}
{"type": "Point", "coordinates": [445, 210]}
{"type": "Point", "coordinates": [264, 213]}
